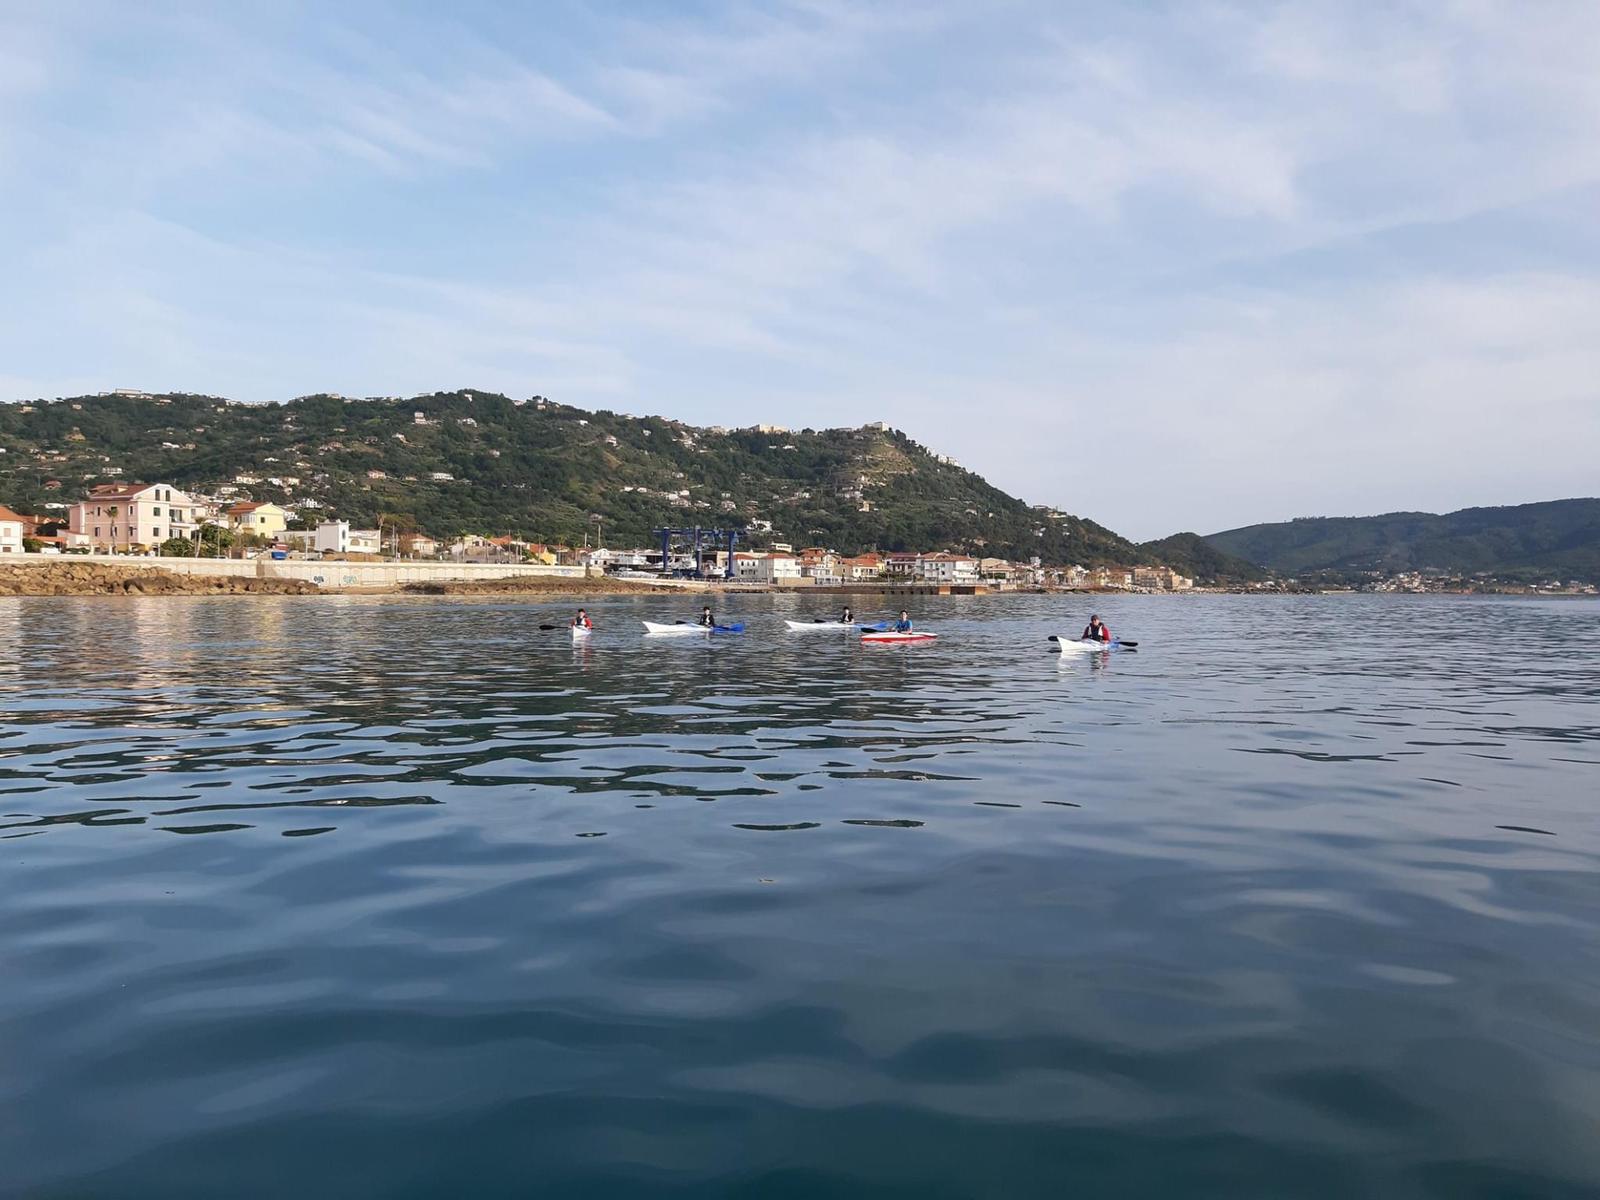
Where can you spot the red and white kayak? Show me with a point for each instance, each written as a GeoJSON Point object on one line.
{"type": "Point", "coordinates": [892, 636]}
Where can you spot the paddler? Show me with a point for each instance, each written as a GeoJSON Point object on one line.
{"type": "Point", "coordinates": [903, 625]}
{"type": "Point", "coordinates": [707, 621]}
{"type": "Point", "coordinates": [847, 617]}
{"type": "Point", "coordinates": [581, 621]}
{"type": "Point", "coordinates": [1096, 630]}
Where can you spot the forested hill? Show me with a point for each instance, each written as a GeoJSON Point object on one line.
{"type": "Point", "coordinates": [1192, 555]}
{"type": "Point", "coordinates": [539, 469]}
{"type": "Point", "coordinates": [1534, 542]}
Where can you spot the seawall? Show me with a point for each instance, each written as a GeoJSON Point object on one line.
{"type": "Point", "coordinates": [328, 575]}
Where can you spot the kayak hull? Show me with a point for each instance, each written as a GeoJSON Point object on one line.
{"type": "Point", "coordinates": [1071, 645]}
{"type": "Point", "coordinates": [806, 626]}
{"type": "Point", "coordinates": [656, 627]}
{"type": "Point", "coordinates": [580, 634]}
{"type": "Point", "coordinates": [892, 638]}
{"type": "Point", "coordinates": [674, 630]}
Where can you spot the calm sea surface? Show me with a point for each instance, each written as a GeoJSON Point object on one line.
{"type": "Point", "coordinates": [353, 897]}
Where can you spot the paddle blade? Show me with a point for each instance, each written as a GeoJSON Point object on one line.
{"type": "Point", "coordinates": [1054, 637]}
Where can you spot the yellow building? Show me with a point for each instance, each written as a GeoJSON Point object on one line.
{"type": "Point", "coordinates": [263, 518]}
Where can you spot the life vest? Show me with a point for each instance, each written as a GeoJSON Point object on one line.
{"type": "Point", "coordinates": [1103, 636]}
{"type": "Point", "coordinates": [583, 623]}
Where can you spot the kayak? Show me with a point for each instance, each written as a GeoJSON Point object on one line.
{"type": "Point", "coordinates": [890, 635]}
{"type": "Point", "coordinates": [801, 626]}
{"type": "Point", "coordinates": [579, 632]}
{"type": "Point", "coordinates": [1070, 645]}
{"type": "Point", "coordinates": [681, 630]}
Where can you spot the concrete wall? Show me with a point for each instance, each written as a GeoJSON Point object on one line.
{"type": "Point", "coordinates": [322, 573]}
{"type": "Point", "coordinates": [178, 566]}
{"type": "Point", "coordinates": [390, 574]}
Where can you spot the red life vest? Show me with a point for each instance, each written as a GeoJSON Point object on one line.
{"type": "Point", "coordinates": [1103, 636]}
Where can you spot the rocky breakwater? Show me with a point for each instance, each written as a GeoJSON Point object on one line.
{"type": "Point", "coordinates": [99, 579]}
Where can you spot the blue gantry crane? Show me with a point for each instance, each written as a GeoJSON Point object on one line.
{"type": "Point", "coordinates": [699, 539]}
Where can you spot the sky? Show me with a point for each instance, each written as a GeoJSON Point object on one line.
{"type": "Point", "coordinates": [1168, 266]}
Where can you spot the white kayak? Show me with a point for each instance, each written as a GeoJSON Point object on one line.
{"type": "Point", "coordinates": [891, 636]}
{"type": "Point", "coordinates": [682, 630]}
{"type": "Point", "coordinates": [1072, 645]}
{"type": "Point", "coordinates": [802, 626]}
{"type": "Point", "coordinates": [580, 632]}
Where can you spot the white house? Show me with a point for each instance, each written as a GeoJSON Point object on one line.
{"type": "Point", "coordinates": [777, 568]}
{"type": "Point", "coordinates": [10, 531]}
{"type": "Point", "coordinates": [336, 537]}
{"type": "Point", "coordinates": [948, 568]}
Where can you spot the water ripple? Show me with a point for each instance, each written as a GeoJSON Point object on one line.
{"type": "Point", "coordinates": [1272, 907]}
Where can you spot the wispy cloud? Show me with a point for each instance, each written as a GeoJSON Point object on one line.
{"type": "Point", "coordinates": [1238, 228]}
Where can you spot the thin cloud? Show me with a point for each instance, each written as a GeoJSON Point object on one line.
{"type": "Point", "coordinates": [1233, 231]}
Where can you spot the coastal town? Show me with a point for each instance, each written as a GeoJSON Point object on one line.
{"type": "Point", "coordinates": [164, 521]}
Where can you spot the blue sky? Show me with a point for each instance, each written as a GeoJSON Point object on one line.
{"type": "Point", "coordinates": [1169, 266]}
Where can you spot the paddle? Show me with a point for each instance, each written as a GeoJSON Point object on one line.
{"type": "Point", "coordinates": [878, 628]}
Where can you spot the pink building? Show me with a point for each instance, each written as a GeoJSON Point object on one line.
{"type": "Point", "coordinates": [132, 516]}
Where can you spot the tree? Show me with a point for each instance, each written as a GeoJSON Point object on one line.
{"type": "Point", "coordinates": [178, 547]}
{"type": "Point", "coordinates": [31, 545]}
{"type": "Point", "coordinates": [214, 541]}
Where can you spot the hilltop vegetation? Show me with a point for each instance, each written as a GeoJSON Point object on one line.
{"type": "Point", "coordinates": [1531, 542]}
{"type": "Point", "coordinates": [539, 469]}
{"type": "Point", "coordinates": [1192, 555]}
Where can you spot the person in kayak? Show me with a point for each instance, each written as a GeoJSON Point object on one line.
{"type": "Point", "coordinates": [581, 621]}
{"type": "Point", "coordinates": [903, 625]}
{"type": "Point", "coordinates": [847, 617]}
{"type": "Point", "coordinates": [1095, 630]}
{"type": "Point", "coordinates": [707, 621]}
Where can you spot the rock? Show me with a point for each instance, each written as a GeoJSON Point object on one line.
{"type": "Point", "coordinates": [100, 579]}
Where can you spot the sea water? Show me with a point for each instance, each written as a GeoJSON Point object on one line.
{"type": "Point", "coordinates": [381, 896]}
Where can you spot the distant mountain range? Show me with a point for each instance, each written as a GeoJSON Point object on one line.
{"type": "Point", "coordinates": [1531, 542]}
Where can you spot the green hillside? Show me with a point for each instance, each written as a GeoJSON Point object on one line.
{"type": "Point", "coordinates": [1192, 555]}
{"type": "Point", "coordinates": [1557, 538]}
{"type": "Point", "coordinates": [539, 469]}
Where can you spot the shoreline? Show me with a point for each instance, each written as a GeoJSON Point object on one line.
{"type": "Point", "coordinates": [57, 578]}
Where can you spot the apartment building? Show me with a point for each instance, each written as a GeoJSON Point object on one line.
{"type": "Point", "coordinates": [132, 517]}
